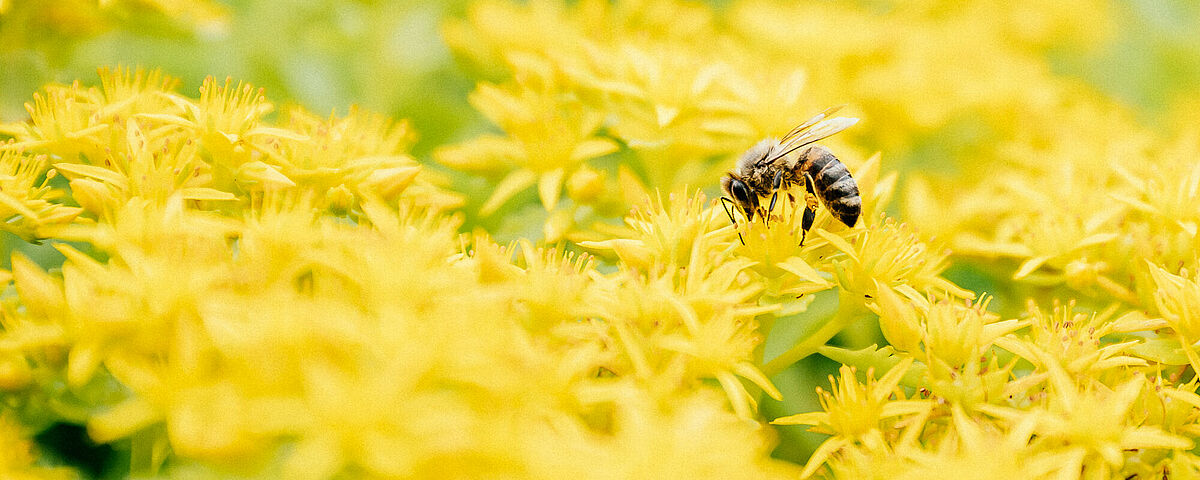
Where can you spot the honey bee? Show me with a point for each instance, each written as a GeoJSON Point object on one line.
{"type": "Point", "coordinates": [768, 168]}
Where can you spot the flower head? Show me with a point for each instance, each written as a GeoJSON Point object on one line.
{"type": "Point", "coordinates": [549, 137]}
{"type": "Point", "coordinates": [890, 254]}
{"type": "Point", "coordinates": [1072, 339]}
{"type": "Point", "coordinates": [857, 412]}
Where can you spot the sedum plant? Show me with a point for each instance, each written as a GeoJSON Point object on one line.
{"type": "Point", "coordinates": [251, 293]}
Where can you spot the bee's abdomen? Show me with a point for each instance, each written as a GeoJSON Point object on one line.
{"type": "Point", "coordinates": [833, 183]}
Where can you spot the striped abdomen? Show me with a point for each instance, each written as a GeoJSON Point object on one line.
{"type": "Point", "coordinates": [833, 183]}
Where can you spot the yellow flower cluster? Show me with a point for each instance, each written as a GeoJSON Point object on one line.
{"type": "Point", "coordinates": [246, 298]}
{"type": "Point", "coordinates": [135, 137]}
{"type": "Point", "coordinates": [252, 294]}
{"type": "Point", "coordinates": [677, 113]}
{"type": "Point", "coordinates": [1046, 182]}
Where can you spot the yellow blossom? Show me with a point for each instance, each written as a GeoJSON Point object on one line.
{"type": "Point", "coordinates": [958, 333]}
{"type": "Point", "coordinates": [978, 450]}
{"type": "Point", "coordinates": [28, 202]}
{"type": "Point", "coordinates": [638, 448]}
{"type": "Point", "coordinates": [1176, 300]}
{"type": "Point", "coordinates": [890, 254]}
{"type": "Point", "coordinates": [19, 461]}
{"type": "Point", "coordinates": [1093, 421]}
{"type": "Point", "coordinates": [1072, 340]}
{"type": "Point", "coordinates": [240, 296]}
{"type": "Point", "coordinates": [856, 412]}
{"type": "Point", "coordinates": [668, 233]}
{"type": "Point", "coordinates": [550, 136]}
{"type": "Point", "coordinates": [363, 154]}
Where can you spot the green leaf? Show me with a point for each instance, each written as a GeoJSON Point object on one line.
{"type": "Point", "coordinates": [1162, 350]}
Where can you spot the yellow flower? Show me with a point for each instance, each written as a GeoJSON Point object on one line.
{"type": "Point", "coordinates": [973, 384]}
{"type": "Point", "coordinates": [362, 154]}
{"type": "Point", "coordinates": [62, 120]}
{"type": "Point", "coordinates": [958, 333]}
{"type": "Point", "coordinates": [978, 450]}
{"type": "Point", "coordinates": [550, 136]}
{"type": "Point", "coordinates": [856, 412]}
{"type": "Point", "coordinates": [1093, 421]}
{"type": "Point", "coordinates": [18, 461]}
{"type": "Point", "coordinates": [693, 321]}
{"type": "Point", "coordinates": [130, 307]}
{"type": "Point", "coordinates": [1177, 298]}
{"type": "Point", "coordinates": [957, 340]}
{"type": "Point", "coordinates": [689, 436]}
{"type": "Point", "coordinates": [774, 245]}
{"type": "Point", "coordinates": [892, 255]}
{"type": "Point", "coordinates": [148, 166]}
{"type": "Point", "coordinates": [28, 203]}
{"type": "Point", "coordinates": [722, 347]}
{"type": "Point", "coordinates": [136, 138]}
{"type": "Point", "coordinates": [668, 233]}
{"type": "Point", "coordinates": [554, 289]}
{"type": "Point", "coordinates": [127, 91]}
{"type": "Point", "coordinates": [1072, 340]}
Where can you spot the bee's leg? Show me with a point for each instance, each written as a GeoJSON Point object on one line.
{"type": "Point", "coordinates": [776, 183]}
{"type": "Point", "coordinates": [731, 219]}
{"type": "Point", "coordinates": [809, 213]}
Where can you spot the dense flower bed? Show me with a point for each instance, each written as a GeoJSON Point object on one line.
{"type": "Point", "coordinates": [253, 291]}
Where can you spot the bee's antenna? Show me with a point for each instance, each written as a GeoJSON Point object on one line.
{"type": "Point", "coordinates": [735, 225]}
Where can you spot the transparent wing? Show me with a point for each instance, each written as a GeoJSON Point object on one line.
{"type": "Point", "coordinates": [815, 129]}
{"type": "Point", "coordinates": [812, 121]}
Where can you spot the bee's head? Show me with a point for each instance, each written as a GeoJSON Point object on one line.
{"type": "Point", "coordinates": [737, 189]}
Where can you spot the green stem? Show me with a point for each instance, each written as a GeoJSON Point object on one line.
{"type": "Point", "coordinates": [848, 310]}
{"type": "Point", "coordinates": [765, 323]}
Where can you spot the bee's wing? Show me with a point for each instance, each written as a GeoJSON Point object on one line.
{"type": "Point", "coordinates": [812, 121]}
{"type": "Point", "coordinates": [814, 132]}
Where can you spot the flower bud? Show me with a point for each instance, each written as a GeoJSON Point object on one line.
{"type": "Point", "coordinates": [898, 320]}
{"type": "Point", "coordinates": [585, 185]}
{"type": "Point", "coordinates": [14, 373]}
{"type": "Point", "coordinates": [92, 195]}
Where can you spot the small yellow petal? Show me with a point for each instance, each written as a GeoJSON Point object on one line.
{"type": "Point", "coordinates": [122, 420]}
{"type": "Point", "coordinates": [515, 182]}
{"type": "Point", "coordinates": [392, 181]}
{"type": "Point", "coordinates": [592, 148]}
{"type": "Point", "coordinates": [798, 267]}
{"type": "Point", "coordinates": [208, 194]}
{"type": "Point", "coordinates": [665, 114]}
{"type": "Point", "coordinates": [1029, 266]}
{"type": "Point", "coordinates": [260, 173]}
{"type": "Point", "coordinates": [550, 186]}
{"type": "Point", "coordinates": [75, 170]}
{"type": "Point", "coordinates": [40, 293]}
{"type": "Point", "coordinates": [838, 242]}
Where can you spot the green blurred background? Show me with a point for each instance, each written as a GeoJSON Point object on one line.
{"type": "Point", "coordinates": [388, 56]}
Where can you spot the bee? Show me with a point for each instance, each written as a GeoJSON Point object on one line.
{"type": "Point", "coordinates": [767, 168]}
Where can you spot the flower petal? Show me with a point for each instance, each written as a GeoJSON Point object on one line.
{"type": "Point", "coordinates": [515, 182]}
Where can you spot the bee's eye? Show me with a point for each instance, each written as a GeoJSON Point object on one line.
{"type": "Point", "coordinates": [741, 193]}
